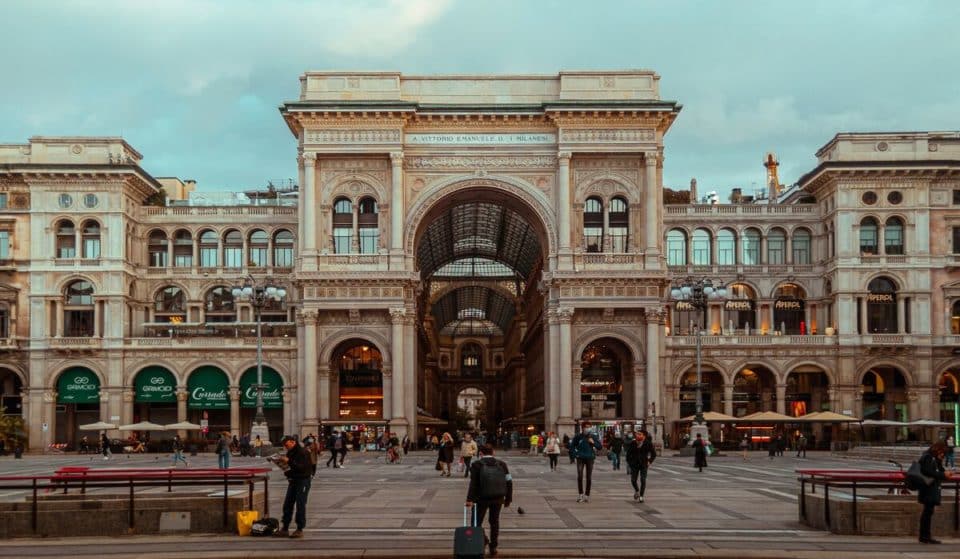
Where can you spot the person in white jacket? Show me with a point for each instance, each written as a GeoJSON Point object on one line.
{"type": "Point", "coordinates": [552, 449]}
{"type": "Point", "coordinates": [468, 449]}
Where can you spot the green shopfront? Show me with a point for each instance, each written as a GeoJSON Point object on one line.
{"type": "Point", "coordinates": [155, 396]}
{"type": "Point", "coordinates": [272, 400]}
{"type": "Point", "coordinates": [208, 399]}
{"type": "Point", "coordinates": [78, 403]}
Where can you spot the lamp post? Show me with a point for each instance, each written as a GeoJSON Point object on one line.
{"type": "Point", "coordinates": [698, 293]}
{"type": "Point", "coordinates": [259, 296]}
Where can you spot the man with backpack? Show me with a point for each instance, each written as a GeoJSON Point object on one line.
{"type": "Point", "coordinates": [491, 488]}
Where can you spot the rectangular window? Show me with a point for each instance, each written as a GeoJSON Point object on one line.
{"type": "Point", "coordinates": [369, 238]}
{"type": "Point", "coordinates": [801, 251]}
{"type": "Point", "coordinates": [158, 258]}
{"type": "Point", "coordinates": [776, 249]}
{"type": "Point", "coordinates": [618, 239]}
{"type": "Point", "coordinates": [258, 257]}
{"type": "Point", "coordinates": [701, 252]}
{"type": "Point", "coordinates": [283, 258]}
{"type": "Point", "coordinates": [233, 257]}
{"type": "Point", "coordinates": [67, 248]}
{"type": "Point", "coordinates": [78, 324]}
{"type": "Point", "coordinates": [726, 252]}
{"type": "Point", "coordinates": [676, 252]}
{"type": "Point", "coordinates": [3, 200]}
{"type": "Point", "coordinates": [91, 248]}
{"type": "Point", "coordinates": [956, 197]}
{"type": "Point", "coordinates": [4, 323]}
{"type": "Point", "coordinates": [183, 260]}
{"type": "Point", "coordinates": [341, 240]}
{"type": "Point", "coordinates": [208, 257]}
{"type": "Point", "coordinates": [956, 240]}
{"type": "Point", "coordinates": [4, 245]}
{"type": "Point", "coordinates": [868, 240]}
{"type": "Point", "coordinates": [593, 239]}
{"type": "Point", "coordinates": [893, 240]}
{"type": "Point", "coordinates": [751, 251]}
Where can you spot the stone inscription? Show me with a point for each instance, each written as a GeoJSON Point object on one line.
{"type": "Point", "coordinates": [607, 135]}
{"type": "Point", "coordinates": [479, 139]}
{"type": "Point", "coordinates": [542, 161]}
{"type": "Point", "coordinates": [352, 137]}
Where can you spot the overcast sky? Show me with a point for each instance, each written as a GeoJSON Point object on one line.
{"type": "Point", "coordinates": [194, 85]}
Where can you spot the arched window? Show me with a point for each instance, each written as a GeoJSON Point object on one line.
{"type": "Point", "coordinates": [66, 239]}
{"type": "Point", "coordinates": [776, 246]}
{"type": "Point", "coordinates": [618, 217]}
{"type": "Point", "coordinates": [182, 249]}
{"type": "Point", "coordinates": [209, 249]}
{"type": "Point", "coordinates": [881, 306]}
{"type": "Point", "coordinates": [801, 246]}
{"type": "Point", "coordinates": [676, 248]}
{"type": "Point", "coordinates": [283, 249]}
{"type": "Point", "coordinates": [157, 248]}
{"type": "Point", "coordinates": [701, 247]}
{"type": "Point", "coordinates": [726, 248]}
{"type": "Point", "coordinates": [342, 225]}
{"type": "Point", "coordinates": [219, 305]}
{"type": "Point", "coordinates": [868, 236]}
{"type": "Point", "coordinates": [740, 307]}
{"type": "Point", "coordinates": [91, 239]}
{"type": "Point", "coordinates": [593, 224]}
{"type": "Point", "coordinates": [233, 249]}
{"type": "Point", "coordinates": [170, 305]}
{"type": "Point", "coordinates": [78, 312]}
{"type": "Point", "coordinates": [368, 221]}
{"type": "Point", "coordinates": [893, 236]}
{"type": "Point", "coordinates": [258, 245]}
{"type": "Point", "coordinates": [789, 309]}
{"type": "Point", "coordinates": [471, 360]}
{"type": "Point", "coordinates": [750, 247]}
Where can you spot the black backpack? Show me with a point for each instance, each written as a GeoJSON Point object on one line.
{"type": "Point", "coordinates": [265, 527]}
{"type": "Point", "coordinates": [493, 481]}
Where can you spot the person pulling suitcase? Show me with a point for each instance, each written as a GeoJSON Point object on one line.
{"type": "Point", "coordinates": [491, 489]}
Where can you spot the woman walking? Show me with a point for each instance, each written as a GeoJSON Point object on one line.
{"type": "Point", "coordinates": [640, 454]}
{"type": "Point", "coordinates": [552, 449]}
{"type": "Point", "coordinates": [468, 449]}
{"type": "Point", "coordinates": [178, 452]}
{"type": "Point", "coordinates": [931, 465]}
{"type": "Point", "coordinates": [699, 453]}
{"type": "Point", "coordinates": [585, 445]}
{"type": "Point", "coordinates": [445, 454]}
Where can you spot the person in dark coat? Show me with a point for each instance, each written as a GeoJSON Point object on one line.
{"type": "Point", "coordinates": [298, 471]}
{"type": "Point", "coordinates": [489, 499]}
{"type": "Point", "coordinates": [640, 454]}
{"type": "Point", "coordinates": [773, 445]}
{"type": "Point", "coordinates": [699, 453]}
{"type": "Point", "coordinates": [931, 465]}
{"type": "Point", "coordinates": [445, 454]}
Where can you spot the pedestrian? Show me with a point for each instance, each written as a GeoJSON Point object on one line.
{"type": "Point", "coordinates": [781, 444]}
{"type": "Point", "coordinates": [333, 443]}
{"type": "Point", "coordinates": [445, 454]}
{"type": "Point", "coordinates": [552, 448]}
{"type": "Point", "coordinates": [950, 457]}
{"type": "Point", "coordinates": [491, 488]}
{"type": "Point", "coordinates": [699, 453]}
{"type": "Point", "coordinates": [802, 446]}
{"type": "Point", "coordinates": [105, 446]}
{"type": "Point", "coordinates": [745, 446]}
{"type": "Point", "coordinates": [772, 446]}
{"type": "Point", "coordinates": [534, 443]}
{"type": "Point", "coordinates": [931, 465]}
{"type": "Point", "coordinates": [223, 451]}
{"type": "Point", "coordinates": [178, 452]}
{"type": "Point", "coordinates": [297, 464]}
{"type": "Point", "coordinates": [258, 446]}
{"type": "Point", "coordinates": [616, 447]}
{"type": "Point", "coordinates": [468, 449]}
{"type": "Point", "coordinates": [405, 443]}
{"type": "Point", "coordinates": [312, 448]}
{"type": "Point", "coordinates": [640, 454]}
{"type": "Point", "coordinates": [346, 438]}
{"type": "Point", "coordinates": [434, 442]}
{"type": "Point", "coordinates": [566, 444]}
{"type": "Point", "coordinates": [585, 445]}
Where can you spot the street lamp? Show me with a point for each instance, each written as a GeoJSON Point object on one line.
{"type": "Point", "coordinates": [698, 293]}
{"type": "Point", "coordinates": [259, 296]}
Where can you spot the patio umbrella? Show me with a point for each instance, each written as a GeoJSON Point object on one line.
{"type": "Point", "coordinates": [711, 416]}
{"type": "Point", "coordinates": [929, 423]}
{"type": "Point", "coordinates": [767, 417]}
{"type": "Point", "coordinates": [143, 426]}
{"type": "Point", "coordinates": [183, 426]}
{"type": "Point", "coordinates": [828, 417]}
{"type": "Point", "coordinates": [882, 423]}
{"type": "Point", "coordinates": [98, 426]}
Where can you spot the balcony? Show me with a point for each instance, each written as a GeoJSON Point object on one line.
{"type": "Point", "coordinates": [751, 341]}
{"type": "Point", "coordinates": [210, 341]}
{"type": "Point", "coordinates": [76, 344]}
{"type": "Point", "coordinates": [9, 343]}
{"type": "Point", "coordinates": [168, 211]}
{"type": "Point", "coordinates": [699, 210]}
{"type": "Point", "coordinates": [766, 269]}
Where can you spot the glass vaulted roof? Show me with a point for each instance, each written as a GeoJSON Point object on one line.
{"type": "Point", "coordinates": [474, 310]}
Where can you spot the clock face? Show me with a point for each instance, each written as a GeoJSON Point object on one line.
{"type": "Point", "coordinates": [66, 200]}
{"type": "Point", "coordinates": [90, 200]}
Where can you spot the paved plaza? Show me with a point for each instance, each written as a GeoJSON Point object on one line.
{"type": "Point", "coordinates": [734, 508]}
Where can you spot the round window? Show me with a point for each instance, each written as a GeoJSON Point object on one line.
{"type": "Point", "coordinates": [66, 200]}
{"type": "Point", "coordinates": [90, 200]}
{"type": "Point", "coordinates": [895, 197]}
{"type": "Point", "coordinates": [869, 198]}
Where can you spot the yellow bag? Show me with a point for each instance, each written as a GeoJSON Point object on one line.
{"type": "Point", "coordinates": [245, 520]}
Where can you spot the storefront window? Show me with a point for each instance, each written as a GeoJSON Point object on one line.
{"type": "Point", "coordinates": [361, 383]}
{"type": "Point", "coordinates": [600, 384]}
{"type": "Point", "coordinates": [789, 310]}
{"type": "Point", "coordinates": [881, 306]}
{"type": "Point", "coordinates": [740, 307]}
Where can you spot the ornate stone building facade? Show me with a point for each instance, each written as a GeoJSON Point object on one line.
{"type": "Point", "coordinates": [500, 234]}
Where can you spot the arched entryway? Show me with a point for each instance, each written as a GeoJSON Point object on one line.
{"type": "Point", "coordinates": [155, 396]}
{"type": "Point", "coordinates": [949, 395]}
{"type": "Point", "coordinates": [11, 402]}
{"type": "Point", "coordinates": [272, 400]}
{"type": "Point", "coordinates": [471, 410]}
{"type": "Point", "coordinates": [790, 309]}
{"type": "Point", "coordinates": [358, 370]}
{"type": "Point", "coordinates": [604, 365]}
{"type": "Point", "coordinates": [808, 391]}
{"type": "Point", "coordinates": [78, 403]}
{"type": "Point", "coordinates": [884, 396]}
{"type": "Point", "coordinates": [754, 390]}
{"type": "Point", "coordinates": [208, 399]}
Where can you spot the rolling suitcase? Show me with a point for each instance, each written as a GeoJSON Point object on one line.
{"type": "Point", "coordinates": [467, 539]}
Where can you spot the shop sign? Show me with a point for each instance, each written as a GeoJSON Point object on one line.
{"type": "Point", "coordinates": [788, 305]}
{"type": "Point", "coordinates": [880, 298]}
{"type": "Point", "coordinates": [612, 397]}
{"type": "Point", "coordinates": [272, 390]}
{"type": "Point", "coordinates": [208, 389]}
{"type": "Point", "coordinates": [364, 379]}
{"type": "Point", "coordinates": [78, 385]}
{"type": "Point", "coordinates": [155, 384]}
{"type": "Point", "coordinates": [739, 305]}
{"type": "Point", "coordinates": [685, 306]}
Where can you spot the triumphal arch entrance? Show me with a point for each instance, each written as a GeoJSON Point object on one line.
{"type": "Point", "coordinates": [479, 252]}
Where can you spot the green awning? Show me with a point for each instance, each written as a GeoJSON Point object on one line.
{"type": "Point", "coordinates": [272, 392]}
{"type": "Point", "coordinates": [209, 389]}
{"type": "Point", "coordinates": [155, 385]}
{"type": "Point", "coordinates": [78, 385]}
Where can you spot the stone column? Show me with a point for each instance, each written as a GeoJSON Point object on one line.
{"type": "Point", "coordinates": [309, 378]}
{"type": "Point", "coordinates": [169, 252]}
{"type": "Point", "coordinates": [655, 317]}
{"type": "Point", "coordinates": [287, 394]}
{"type": "Point", "coordinates": [553, 391]}
{"type": "Point", "coordinates": [308, 229]}
{"type": "Point", "coordinates": [234, 410]}
{"type": "Point", "coordinates": [323, 376]}
{"type": "Point", "coordinates": [728, 398]}
{"type": "Point", "coordinates": [782, 398]}
{"type": "Point", "coordinates": [398, 317]}
{"type": "Point", "coordinates": [126, 413]}
{"type": "Point", "coordinates": [563, 200]}
{"type": "Point", "coordinates": [58, 316]}
{"type": "Point", "coordinates": [182, 396]}
{"type": "Point", "coordinates": [96, 318]}
{"type": "Point", "coordinates": [387, 393]}
{"type": "Point", "coordinates": [564, 320]}
{"type": "Point", "coordinates": [409, 376]}
{"type": "Point", "coordinates": [396, 210]}
{"type": "Point", "coordinates": [640, 409]}
{"type": "Point", "coordinates": [651, 229]}
{"type": "Point", "coordinates": [901, 315]}
{"type": "Point", "coordinates": [864, 323]}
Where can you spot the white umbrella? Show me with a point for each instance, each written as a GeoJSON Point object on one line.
{"type": "Point", "coordinates": [929, 423]}
{"type": "Point", "coordinates": [98, 426]}
{"type": "Point", "coordinates": [882, 423]}
{"type": "Point", "coordinates": [143, 426]}
{"type": "Point", "coordinates": [184, 426]}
